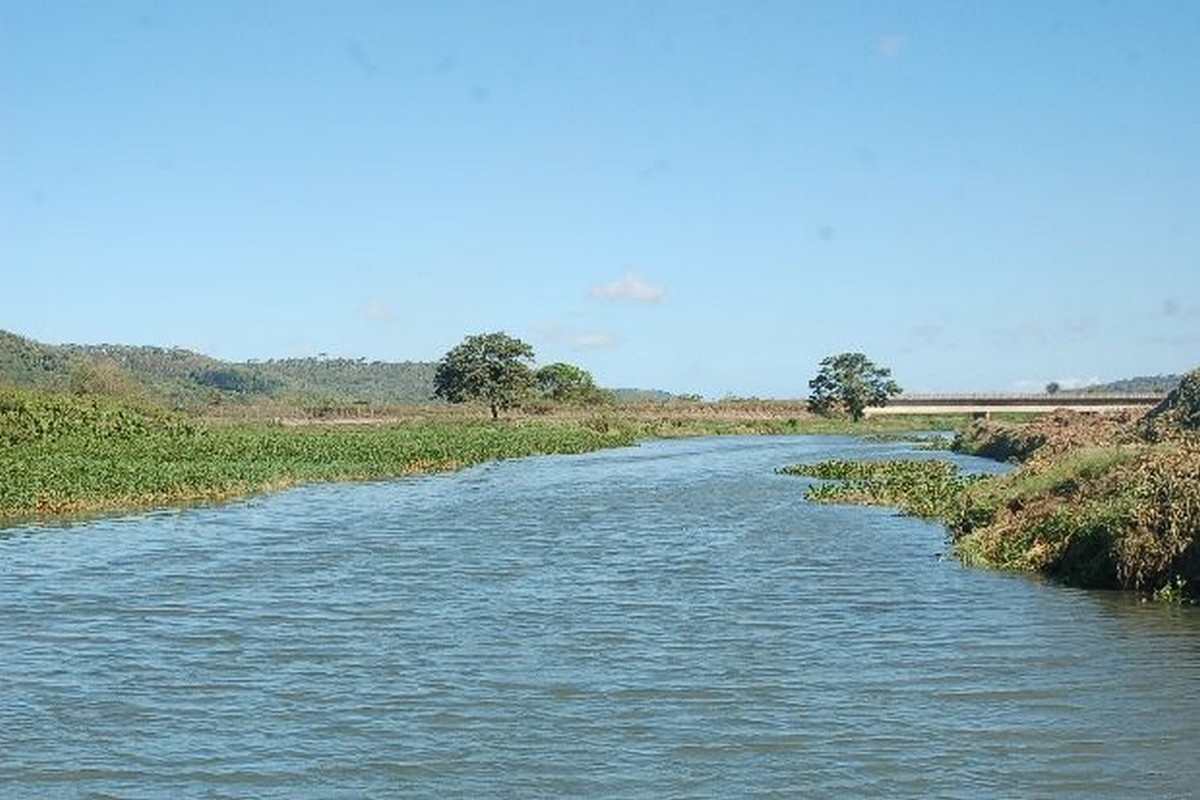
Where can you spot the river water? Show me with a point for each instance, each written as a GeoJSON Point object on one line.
{"type": "Point", "coordinates": [669, 620]}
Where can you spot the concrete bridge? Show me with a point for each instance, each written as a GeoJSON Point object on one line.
{"type": "Point", "coordinates": [986, 404]}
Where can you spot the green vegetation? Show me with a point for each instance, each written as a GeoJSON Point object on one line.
{"type": "Point", "coordinates": [185, 379]}
{"type": "Point", "coordinates": [567, 383]}
{"type": "Point", "coordinates": [492, 367]}
{"type": "Point", "coordinates": [1098, 518]}
{"type": "Point", "coordinates": [64, 455]}
{"type": "Point", "coordinates": [848, 383]}
{"type": "Point", "coordinates": [1099, 501]}
{"type": "Point", "coordinates": [1143, 384]}
{"type": "Point", "coordinates": [348, 381]}
{"type": "Point", "coordinates": [1000, 442]}
{"type": "Point", "coordinates": [928, 489]}
{"type": "Point", "coordinates": [1181, 408]}
{"type": "Point", "coordinates": [26, 363]}
{"type": "Point", "coordinates": [628, 395]}
{"type": "Point", "coordinates": [1120, 517]}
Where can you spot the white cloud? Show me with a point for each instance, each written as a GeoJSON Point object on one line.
{"type": "Point", "coordinates": [632, 288]}
{"type": "Point", "coordinates": [550, 333]}
{"type": "Point", "coordinates": [594, 340]}
{"type": "Point", "coordinates": [558, 335]}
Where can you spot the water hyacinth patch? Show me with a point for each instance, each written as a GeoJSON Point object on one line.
{"type": "Point", "coordinates": [67, 456]}
{"type": "Point", "coordinates": [924, 488]}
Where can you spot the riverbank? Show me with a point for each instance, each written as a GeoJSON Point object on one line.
{"type": "Point", "coordinates": [1103, 502]}
{"type": "Point", "coordinates": [65, 456]}
{"type": "Point", "coordinates": [1097, 501]}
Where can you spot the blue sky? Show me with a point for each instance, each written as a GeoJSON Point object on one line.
{"type": "Point", "coordinates": [696, 196]}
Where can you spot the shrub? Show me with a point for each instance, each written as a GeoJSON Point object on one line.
{"type": "Point", "coordinates": [1187, 401]}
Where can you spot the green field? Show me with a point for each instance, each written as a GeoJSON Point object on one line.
{"type": "Point", "coordinates": [61, 455]}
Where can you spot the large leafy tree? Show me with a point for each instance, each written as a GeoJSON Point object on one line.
{"type": "Point", "coordinates": [491, 367]}
{"type": "Point", "coordinates": [849, 383]}
{"type": "Point", "coordinates": [567, 383]}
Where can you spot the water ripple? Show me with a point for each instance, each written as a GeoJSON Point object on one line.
{"type": "Point", "coordinates": [662, 621]}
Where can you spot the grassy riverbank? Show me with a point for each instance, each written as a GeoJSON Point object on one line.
{"type": "Point", "coordinates": [63, 455]}
{"type": "Point", "coordinates": [1098, 501]}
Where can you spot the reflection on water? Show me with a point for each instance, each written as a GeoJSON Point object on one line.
{"type": "Point", "coordinates": [667, 620]}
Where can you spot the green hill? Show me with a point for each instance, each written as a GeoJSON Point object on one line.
{"type": "Point", "coordinates": [349, 380]}
{"type": "Point", "coordinates": [624, 395]}
{"type": "Point", "coordinates": [186, 378]}
{"type": "Point", "coordinates": [28, 364]}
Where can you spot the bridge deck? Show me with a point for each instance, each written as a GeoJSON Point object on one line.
{"type": "Point", "coordinates": [1026, 403]}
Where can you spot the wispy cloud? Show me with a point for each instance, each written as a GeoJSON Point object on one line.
{"type": "Point", "coordinates": [927, 334]}
{"type": "Point", "coordinates": [1040, 332]}
{"type": "Point", "coordinates": [1024, 332]}
{"type": "Point", "coordinates": [1190, 339]}
{"type": "Point", "coordinates": [556, 334]}
{"type": "Point", "coordinates": [891, 45]}
{"type": "Point", "coordinates": [381, 313]}
{"type": "Point", "coordinates": [922, 337]}
{"type": "Point", "coordinates": [594, 340]}
{"type": "Point", "coordinates": [632, 288]}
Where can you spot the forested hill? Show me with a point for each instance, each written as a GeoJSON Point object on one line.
{"type": "Point", "coordinates": [1144, 384]}
{"type": "Point", "coordinates": [184, 377]}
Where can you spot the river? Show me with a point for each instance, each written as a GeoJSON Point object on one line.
{"type": "Point", "coordinates": [667, 620]}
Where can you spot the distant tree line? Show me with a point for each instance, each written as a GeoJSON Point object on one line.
{"type": "Point", "coordinates": [181, 377]}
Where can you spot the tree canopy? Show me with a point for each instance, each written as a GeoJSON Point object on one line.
{"type": "Point", "coordinates": [567, 383]}
{"type": "Point", "coordinates": [493, 367]}
{"type": "Point", "coordinates": [849, 383]}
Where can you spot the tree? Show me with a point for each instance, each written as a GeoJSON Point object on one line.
{"type": "Point", "coordinates": [849, 383]}
{"type": "Point", "coordinates": [567, 383]}
{"type": "Point", "coordinates": [1186, 400]}
{"type": "Point", "coordinates": [1052, 387]}
{"type": "Point", "coordinates": [493, 367]}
